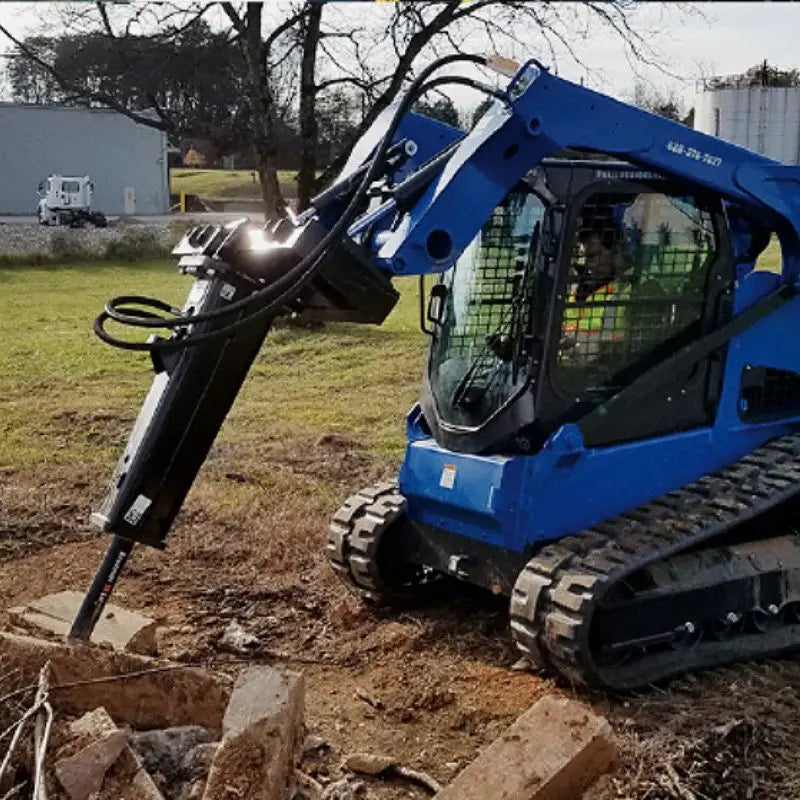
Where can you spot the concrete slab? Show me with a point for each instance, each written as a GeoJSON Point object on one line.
{"type": "Point", "coordinates": [103, 760]}
{"type": "Point", "coordinates": [261, 731]}
{"type": "Point", "coordinates": [554, 751]}
{"type": "Point", "coordinates": [118, 627]}
{"type": "Point", "coordinates": [139, 691]}
{"type": "Point", "coordinates": [81, 775]}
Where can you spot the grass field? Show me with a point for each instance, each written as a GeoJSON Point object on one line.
{"type": "Point", "coordinates": [352, 379]}
{"type": "Point", "coordinates": [211, 183]}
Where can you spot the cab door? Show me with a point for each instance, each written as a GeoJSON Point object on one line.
{"type": "Point", "coordinates": [645, 268]}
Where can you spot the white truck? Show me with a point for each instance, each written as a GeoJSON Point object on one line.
{"type": "Point", "coordinates": [67, 200]}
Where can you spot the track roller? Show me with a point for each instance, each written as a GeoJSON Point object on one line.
{"type": "Point", "coordinates": [368, 547]}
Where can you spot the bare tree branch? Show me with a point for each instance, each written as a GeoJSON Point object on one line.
{"type": "Point", "coordinates": [98, 97]}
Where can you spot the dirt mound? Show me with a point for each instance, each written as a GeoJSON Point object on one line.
{"type": "Point", "coordinates": [253, 553]}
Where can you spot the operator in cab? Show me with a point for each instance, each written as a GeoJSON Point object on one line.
{"type": "Point", "coordinates": [594, 317]}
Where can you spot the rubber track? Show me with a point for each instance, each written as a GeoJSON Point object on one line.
{"type": "Point", "coordinates": [556, 594]}
{"type": "Point", "coordinates": [354, 533]}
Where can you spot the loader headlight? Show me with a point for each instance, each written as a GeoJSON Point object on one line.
{"type": "Point", "coordinates": [257, 240]}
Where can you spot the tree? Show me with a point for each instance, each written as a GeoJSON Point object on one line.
{"type": "Point", "coordinates": [190, 79]}
{"type": "Point", "coordinates": [260, 66]}
{"type": "Point", "coordinates": [442, 109]}
{"type": "Point", "coordinates": [481, 109]}
{"type": "Point", "coordinates": [759, 75]}
{"type": "Point", "coordinates": [659, 101]}
{"type": "Point", "coordinates": [338, 114]}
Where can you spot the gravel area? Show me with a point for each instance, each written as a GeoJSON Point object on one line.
{"type": "Point", "coordinates": [35, 242]}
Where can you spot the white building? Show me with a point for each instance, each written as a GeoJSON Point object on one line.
{"type": "Point", "coordinates": [126, 161]}
{"type": "Point", "coordinates": [753, 112]}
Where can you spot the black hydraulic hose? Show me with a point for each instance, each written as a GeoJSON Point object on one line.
{"type": "Point", "coordinates": [341, 224]}
{"type": "Point", "coordinates": [296, 277]}
{"type": "Point", "coordinates": [118, 308]}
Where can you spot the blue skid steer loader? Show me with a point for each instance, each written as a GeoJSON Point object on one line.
{"type": "Point", "coordinates": [609, 427]}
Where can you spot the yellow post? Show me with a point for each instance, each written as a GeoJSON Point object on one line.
{"type": "Point", "coordinates": [183, 202]}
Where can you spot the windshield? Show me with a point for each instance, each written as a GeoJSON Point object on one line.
{"type": "Point", "coordinates": [477, 359]}
{"type": "Point", "coordinates": [70, 187]}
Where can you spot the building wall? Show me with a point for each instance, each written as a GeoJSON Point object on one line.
{"type": "Point", "coordinates": [37, 141]}
{"type": "Point", "coordinates": [763, 119]}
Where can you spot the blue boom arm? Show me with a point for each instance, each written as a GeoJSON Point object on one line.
{"type": "Point", "coordinates": [544, 114]}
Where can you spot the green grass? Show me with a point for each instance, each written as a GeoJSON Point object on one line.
{"type": "Point", "coordinates": [211, 183]}
{"type": "Point", "coordinates": [770, 259]}
{"type": "Point", "coordinates": [68, 397]}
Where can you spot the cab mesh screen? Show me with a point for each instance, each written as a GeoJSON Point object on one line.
{"type": "Point", "coordinates": [497, 269]}
{"type": "Point", "coordinates": [637, 280]}
{"type": "Point", "coordinates": [476, 358]}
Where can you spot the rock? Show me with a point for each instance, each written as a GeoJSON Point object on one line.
{"type": "Point", "coordinates": [118, 627]}
{"type": "Point", "coordinates": [95, 724]}
{"type": "Point", "coordinates": [49, 242]}
{"type": "Point", "coordinates": [368, 764]}
{"type": "Point", "coordinates": [237, 639]}
{"type": "Point", "coordinates": [261, 729]}
{"type": "Point", "coordinates": [83, 773]}
{"type": "Point", "coordinates": [150, 697]}
{"type": "Point", "coordinates": [362, 694]}
{"type": "Point", "coordinates": [197, 762]}
{"type": "Point", "coordinates": [164, 750]}
{"type": "Point", "coordinates": [107, 763]}
{"type": "Point", "coordinates": [192, 791]}
{"type": "Point", "coordinates": [522, 664]}
{"type": "Point", "coordinates": [345, 789]}
{"type": "Point", "coordinates": [312, 743]}
{"type": "Point", "coordinates": [554, 751]}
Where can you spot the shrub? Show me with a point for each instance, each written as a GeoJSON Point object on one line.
{"type": "Point", "coordinates": [137, 244]}
{"type": "Point", "coordinates": [66, 247]}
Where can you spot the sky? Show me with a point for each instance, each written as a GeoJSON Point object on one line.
{"type": "Point", "coordinates": [690, 41]}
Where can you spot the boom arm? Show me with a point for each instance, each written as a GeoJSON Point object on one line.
{"type": "Point", "coordinates": [545, 114]}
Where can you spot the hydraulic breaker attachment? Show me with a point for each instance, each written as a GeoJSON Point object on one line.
{"type": "Point", "coordinates": [199, 374]}
{"type": "Point", "coordinates": [192, 391]}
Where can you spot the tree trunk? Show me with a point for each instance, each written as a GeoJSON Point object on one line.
{"type": "Point", "coordinates": [309, 134]}
{"type": "Point", "coordinates": [262, 113]}
{"type": "Point", "coordinates": [271, 196]}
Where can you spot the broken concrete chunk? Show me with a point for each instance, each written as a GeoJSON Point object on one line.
{"type": "Point", "coordinates": [83, 773]}
{"type": "Point", "coordinates": [554, 751]}
{"type": "Point", "coordinates": [367, 764]}
{"type": "Point", "coordinates": [261, 695]}
{"type": "Point", "coordinates": [95, 724]}
{"type": "Point", "coordinates": [140, 692]}
{"type": "Point", "coordinates": [162, 751]}
{"type": "Point", "coordinates": [107, 763]}
{"type": "Point", "coordinates": [261, 729]}
{"type": "Point", "coordinates": [142, 786]}
{"type": "Point", "coordinates": [122, 629]}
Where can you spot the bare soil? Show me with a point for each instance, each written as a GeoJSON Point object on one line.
{"type": "Point", "coordinates": [428, 686]}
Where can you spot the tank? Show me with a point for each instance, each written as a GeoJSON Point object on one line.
{"type": "Point", "coordinates": [759, 110]}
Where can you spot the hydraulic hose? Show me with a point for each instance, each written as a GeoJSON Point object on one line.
{"type": "Point", "coordinates": [276, 294]}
